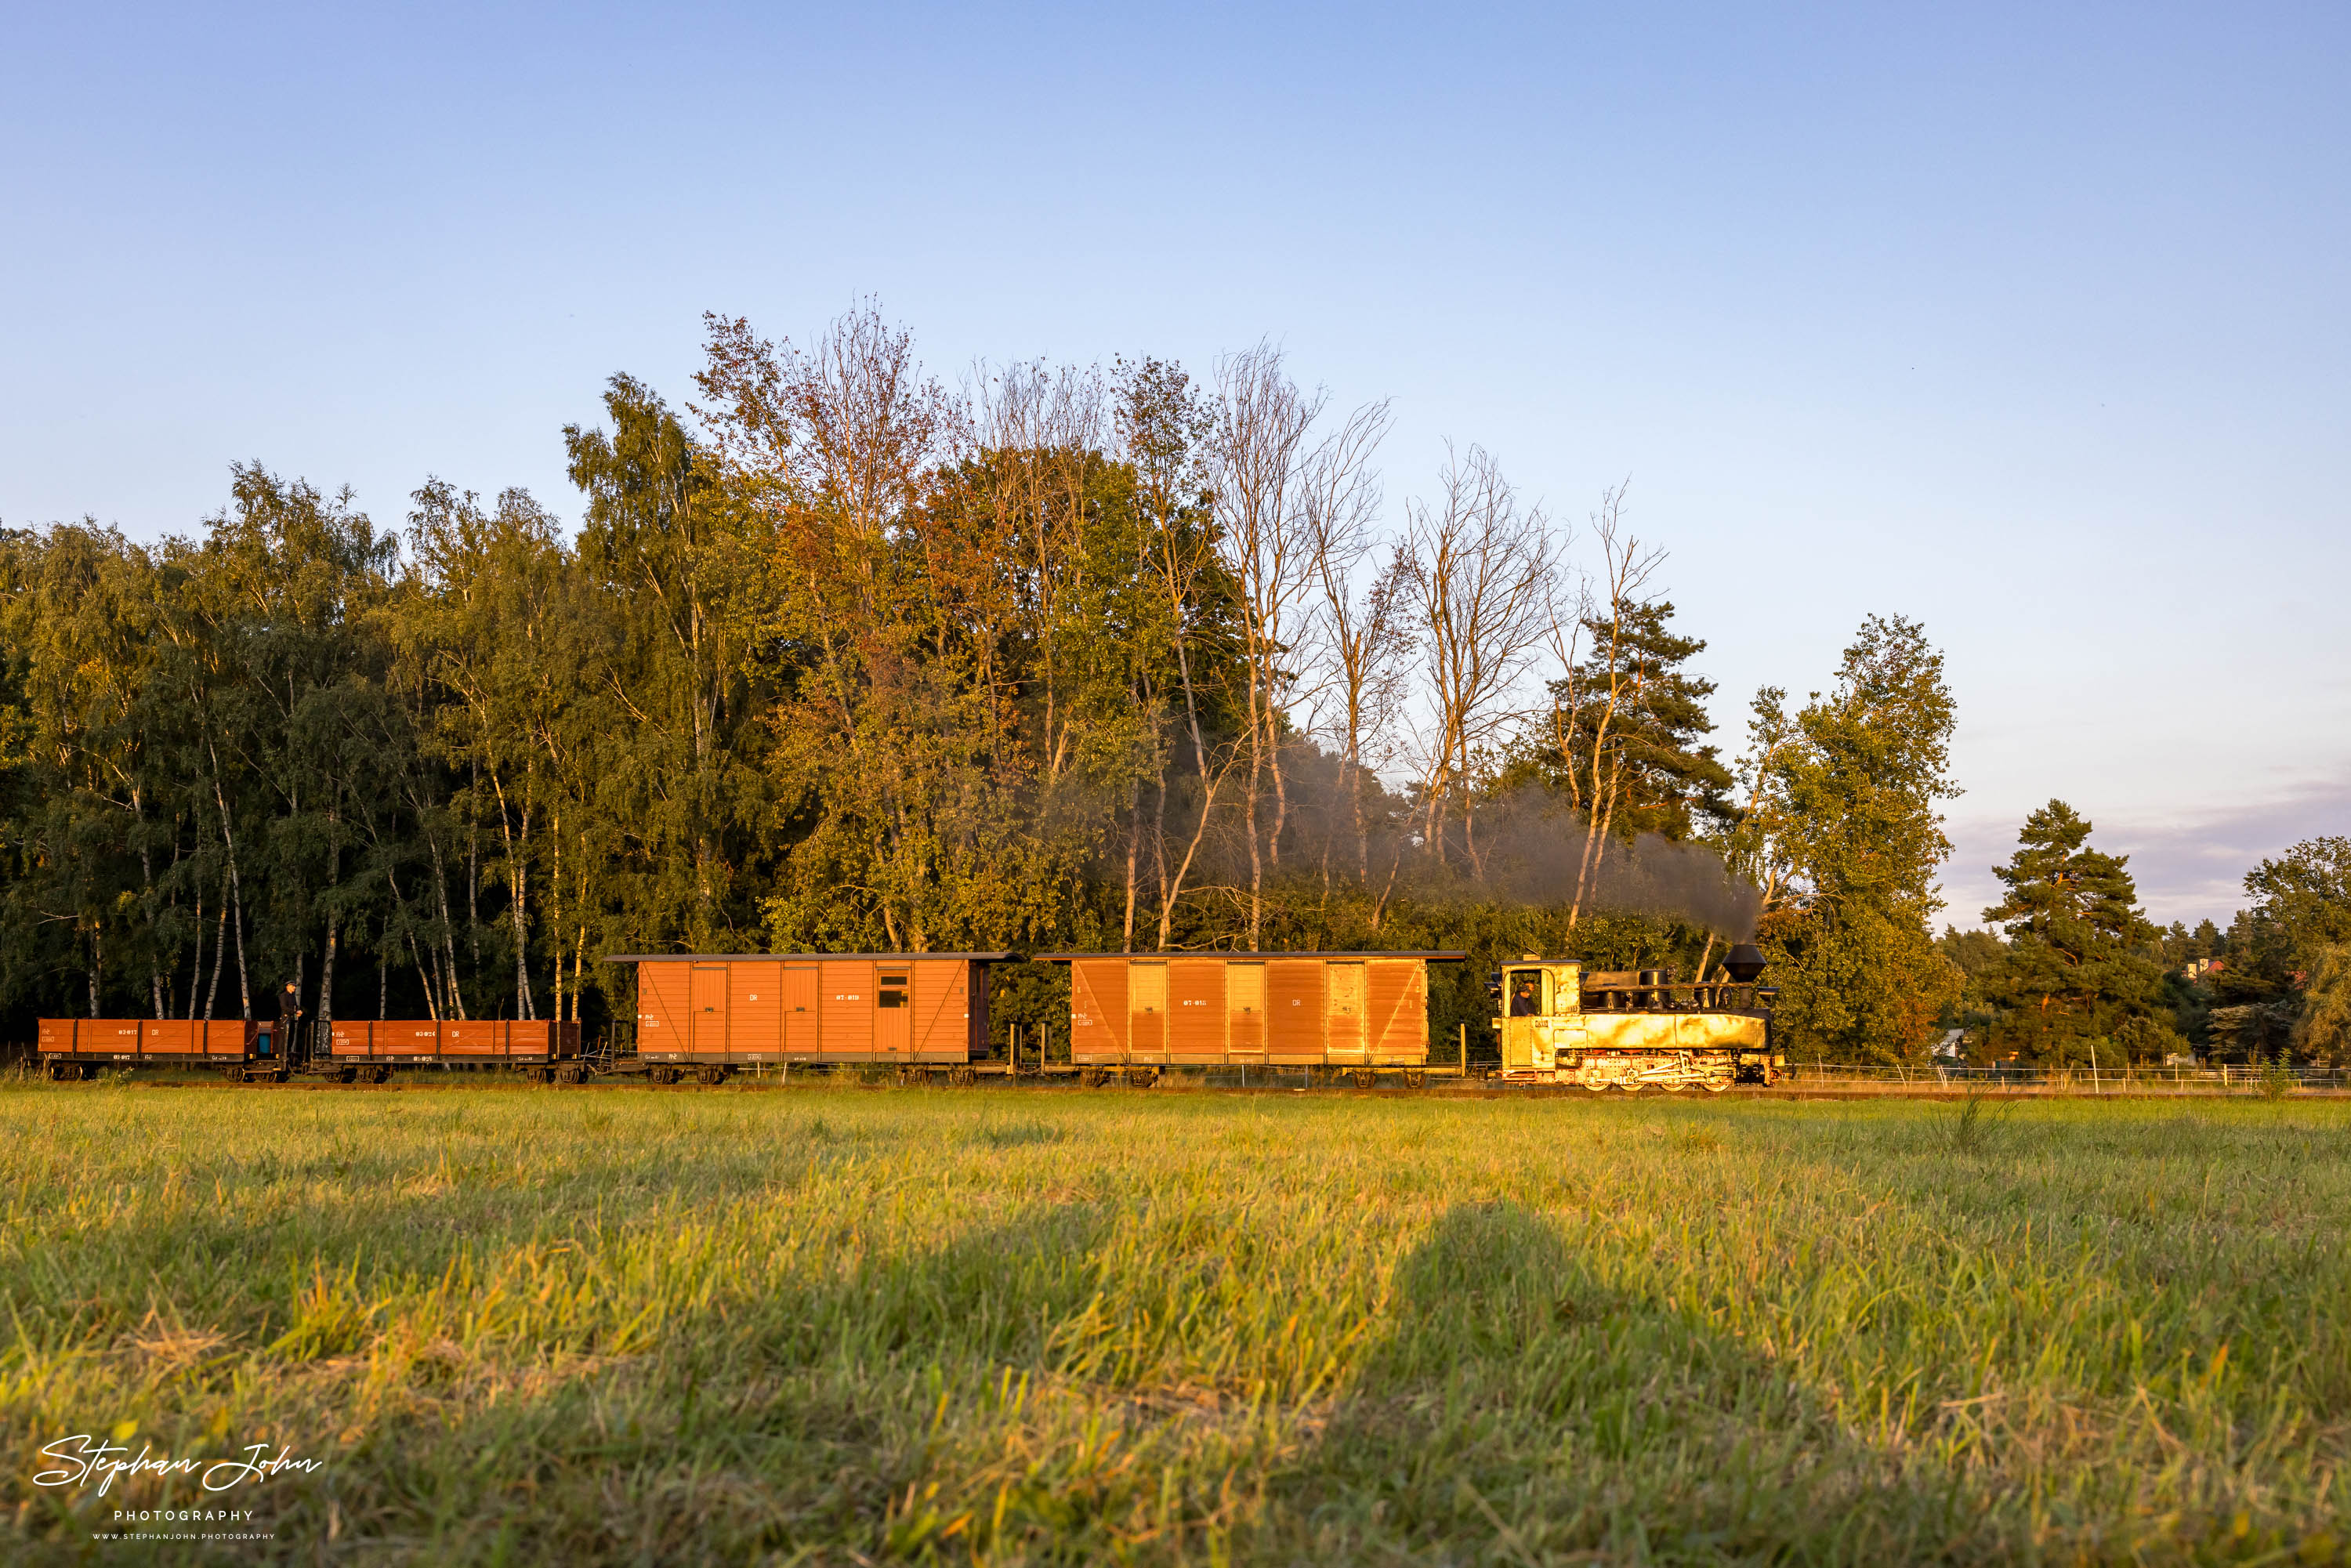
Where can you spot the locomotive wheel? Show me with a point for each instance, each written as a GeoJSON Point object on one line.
{"type": "Point", "coordinates": [962, 1077]}
{"type": "Point", "coordinates": [65, 1072]}
{"type": "Point", "coordinates": [663, 1075]}
{"type": "Point", "coordinates": [1414, 1077]}
{"type": "Point", "coordinates": [1142, 1077]}
{"type": "Point", "coordinates": [713, 1075]}
{"type": "Point", "coordinates": [572, 1072]}
{"type": "Point", "coordinates": [1094, 1077]}
{"type": "Point", "coordinates": [347, 1075]}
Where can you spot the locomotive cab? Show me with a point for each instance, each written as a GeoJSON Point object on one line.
{"type": "Point", "coordinates": [1539, 1009]}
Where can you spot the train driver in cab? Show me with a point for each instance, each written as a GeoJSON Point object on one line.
{"type": "Point", "coordinates": [1524, 1002]}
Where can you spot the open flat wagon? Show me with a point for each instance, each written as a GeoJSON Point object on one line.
{"type": "Point", "coordinates": [367, 1050]}
{"type": "Point", "coordinates": [1138, 1015]}
{"type": "Point", "coordinates": [81, 1048]}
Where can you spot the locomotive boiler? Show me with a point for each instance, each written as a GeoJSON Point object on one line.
{"type": "Point", "coordinates": [1558, 1022]}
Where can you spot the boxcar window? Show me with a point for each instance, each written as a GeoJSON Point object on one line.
{"type": "Point", "coordinates": [1148, 988]}
{"type": "Point", "coordinates": [891, 991]}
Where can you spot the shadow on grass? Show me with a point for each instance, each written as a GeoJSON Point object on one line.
{"type": "Point", "coordinates": [1522, 1409]}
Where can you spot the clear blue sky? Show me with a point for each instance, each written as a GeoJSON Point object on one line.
{"type": "Point", "coordinates": [2030, 323]}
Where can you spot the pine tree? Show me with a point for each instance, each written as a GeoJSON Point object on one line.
{"type": "Point", "coordinates": [1648, 727]}
{"type": "Point", "coordinates": [2080, 981]}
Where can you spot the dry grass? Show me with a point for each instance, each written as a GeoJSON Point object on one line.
{"type": "Point", "coordinates": [1005, 1326]}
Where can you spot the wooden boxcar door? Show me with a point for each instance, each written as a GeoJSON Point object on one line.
{"type": "Point", "coordinates": [1294, 1009]}
{"type": "Point", "coordinates": [754, 1008]}
{"type": "Point", "coordinates": [1395, 1012]}
{"type": "Point", "coordinates": [1346, 1012]}
{"type": "Point", "coordinates": [800, 1009]}
{"type": "Point", "coordinates": [1098, 1015]}
{"type": "Point", "coordinates": [1244, 1009]}
{"type": "Point", "coordinates": [847, 992]}
{"type": "Point", "coordinates": [663, 1020]}
{"type": "Point", "coordinates": [1146, 1002]}
{"type": "Point", "coordinates": [1195, 1010]}
{"type": "Point", "coordinates": [893, 1033]}
{"type": "Point", "coordinates": [705, 1006]}
{"type": "Point", "coordinates": [942, 1027]}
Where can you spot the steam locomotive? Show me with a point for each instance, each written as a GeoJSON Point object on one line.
{"type": "Point", "coordinates": [1132, 1016]}
{"type": "Point", "coordinates": [1558, 1022]}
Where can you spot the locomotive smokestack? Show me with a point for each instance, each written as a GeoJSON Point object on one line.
{"type": "Point", "coordinates": [1745, 962]}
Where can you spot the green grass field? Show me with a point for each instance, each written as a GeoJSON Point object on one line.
{"type": "Point", "coordinates": [1004, 1326]}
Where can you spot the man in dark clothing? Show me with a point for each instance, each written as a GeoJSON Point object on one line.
{"type": "Point", "coordinates": [290, 1013]}
{"type": "Point", "coordinates": [1522, 1000]}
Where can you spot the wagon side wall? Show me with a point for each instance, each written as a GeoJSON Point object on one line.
{"type": "Point", "coordinates": [133, 1040]}
{"type": "Point", "coordinates": [847, 998]}
{"type": "Point", "coordinates": [943, 1005]}
{"type": "Point", "coordinates": [1397, 1027]}
{"type": "Point", "coordinates": [1344, 1011]}
{"type": "Point", "coordinates": [755, 1009]}
{"type": "Point", "coordinates": [1098, 1010]}
{"type": "Point", "coordinates": [661, 1010]}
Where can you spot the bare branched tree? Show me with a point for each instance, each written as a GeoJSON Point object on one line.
{"type": "Point", "coordinates": [1362, 634]}
{"type": "Point", "coordinates": [1259, 450]}
{"type": "Point", "coordinates": [1040, 424]}
{"type": "Point", "coordinates": [1482, 574]}
{"type": "Point", "coordinates": [1587, 704]}
{"type": "Point", "coordinates": [1163, 425]}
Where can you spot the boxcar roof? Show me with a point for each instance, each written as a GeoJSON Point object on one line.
{"type": "Point", "coordinates": [1434, 958]}
{"type": "Point", "coordinates": [759, 958]}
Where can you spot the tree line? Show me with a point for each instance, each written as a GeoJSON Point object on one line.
{"type": "Point", "coordinates": [840, 658]}
{"type": "Point", "coordinates": [2075, 974]}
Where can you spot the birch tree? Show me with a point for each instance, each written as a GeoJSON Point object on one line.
{"type": "Point", "coordinates": [1482, 566]}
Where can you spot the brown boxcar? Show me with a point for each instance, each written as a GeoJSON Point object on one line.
{"type": "Point", "coordinates": [1368, 1011]}
{"type": "Point", "coordinates": [77, 1044]}
{"type": "Point", "coordinates": [728, 1008]}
